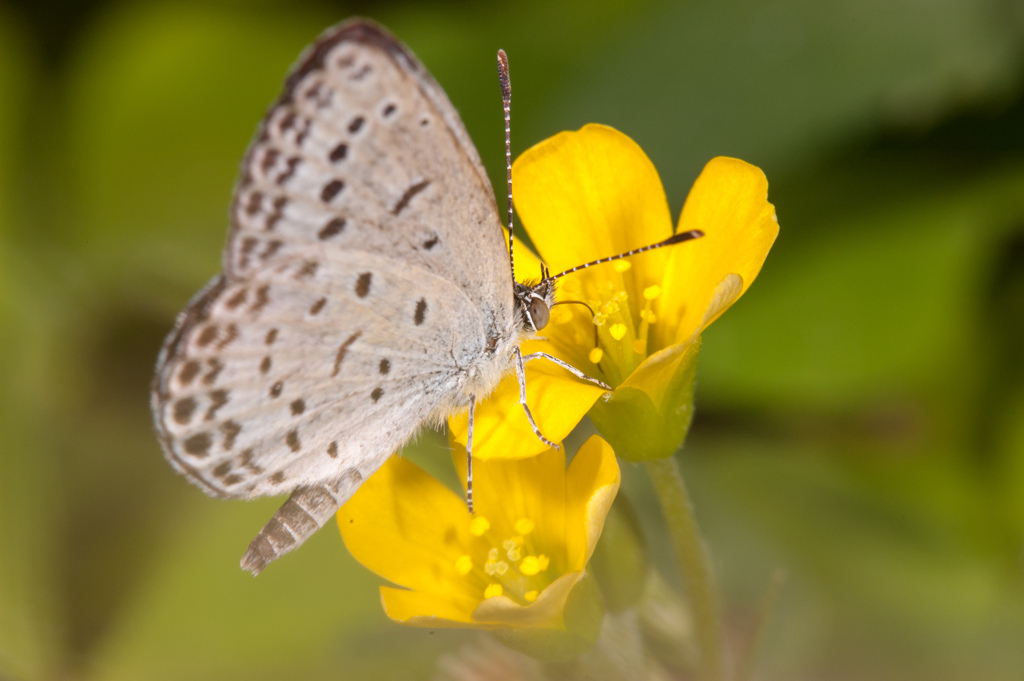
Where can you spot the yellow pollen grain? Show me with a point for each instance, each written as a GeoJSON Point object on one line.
{"type": "Point", "coordinates": [524, 526]}
{"type": "Point", "coordinates": [639, 346]}
{"type": "Point", "coordinates": [492, 554]}
{"type": "Point", "coordinates": [478, 526]}
{"type": "Point", "coordinates": [463, 565]}
{"type": "Point", "coordinates": [530, 566]}
{"type": "Point", "coordinates": [611, 307]}
{"type": "Point", "coordinates": [595, 355]}
{"type": "Point", "coordinates": [622, 265]}
{"type": "Point", "coordinates": [492, 590]}
{"type": "Point", "coordinates": [652, 292]}
{"type": "Point", "coordinates": [513, 554]}
{"type": "Point", "coordinates": [543, 561]}
{"type": "Point", "coordinates": [491, 568]}
{"type": "Point", "coordinates": [621, 296]}
{"type": "Point", "coordinates": [617, 331]}
{"type": "Point", "coordinates": [501, 567]}
{"type": "Point", "coordinates": [530, 596]}
{"type": "Point", "coordinates": [600, 318]}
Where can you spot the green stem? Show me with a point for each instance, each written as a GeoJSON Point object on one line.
{"type": "Point", "coordinates": [694, 564]}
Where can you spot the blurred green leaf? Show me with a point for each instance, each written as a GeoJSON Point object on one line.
{"type": "Point", "coordinates": [874, 304]}
{"type": "Point", "coordinates": [782, 83]}
{"type": "Point", "coordinates": [29, 623]}
{"type": "Point", "coordinates": [162, 101]}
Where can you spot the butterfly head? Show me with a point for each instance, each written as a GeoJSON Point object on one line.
{"type": "Point", "coordinates": [533, 301]}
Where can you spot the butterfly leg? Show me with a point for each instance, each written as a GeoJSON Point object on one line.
{"type": "Point", "coordinates": [565, 365]}
{"type": "Point", "coordinates": [521, 377]}
{"type": "Point", "coordinates": [469, 455]}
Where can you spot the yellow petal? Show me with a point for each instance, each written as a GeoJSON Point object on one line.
{"type": "Point", "coordinates": [557, 399]}
{"type": "Point", "coordinates": [590, 488]}
{"type": "Point", "coordinates": [526, 261]}
{"type": "Point", "coordinates": [547, 611]}
{"type": "Point", "coordinates": [507, 490]}
{"type": "Point", "coordinates": [410, 529]}
{"type": "Point", "coordinates": [421, 609]}
{"type": "Point", "coordinates": [590, 194]}
{"type": "Point", "coordinates": [729, 203]}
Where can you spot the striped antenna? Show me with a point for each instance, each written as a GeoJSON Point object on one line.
{"type": "Point", "coordinates": [674, 239]}
{"type": "Point", "coordinates": [506, 102]}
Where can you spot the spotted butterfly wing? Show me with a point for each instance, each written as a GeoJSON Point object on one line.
{"type": "Point", "coordinates": [364, 271]}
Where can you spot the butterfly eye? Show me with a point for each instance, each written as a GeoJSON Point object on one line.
{"type": "Point", "coordinates": [539, 313]}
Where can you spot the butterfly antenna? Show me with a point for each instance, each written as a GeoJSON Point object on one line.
{"type": "Point", "coordinates": [674, 239]}
{"type": "Point", "coordinates": [506, 102]}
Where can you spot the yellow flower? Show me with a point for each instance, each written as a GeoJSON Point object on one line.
{"type": "Point", "coordinates": [512, 565]}
{"type": "Point", "coordinates": [593, 193]}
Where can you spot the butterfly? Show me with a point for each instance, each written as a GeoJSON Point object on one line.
{"type": "Point", "coordinates": [366, 292]}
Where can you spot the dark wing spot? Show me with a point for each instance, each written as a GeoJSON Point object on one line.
{"type": "Point", "coordinates": [277, 478]}
{"type": "Point", "coordinates": [245, 461]}
{"type": "Point", "coordinates": [363, 71]}
{"type": "Point", "coordinates": [183, 410]}
{"type": "Point", "coordinates": [272, 248]}
{"type": "Point", "coordinates": [289, 171]}
{"type": "Point", "coordinates": [338, 153]}
{"type": "Point", "coordinates": [229, 337]}
{"type": "Point", "coordinates": [216, 366]}
{"type": "Point", "coordinates": [317, 306]}
{"type": "Point", "coordinates": [298, 406]}
{"type": "Point", "coordinates": [275, 390]}
{"type": "Point", "coordinates": [424, 122]}
{"type": "Point", "coordinates": [412, 191]}
{"type": "Point", "coordinates": [377, 394]}
{"type": "Point", "coordinates": [276, 215]}
{"type": "Point", "coordinates": [385, 366]}
{"type": "Point", "coordinates": [189, 371]}
{"type": "Point", "coordinates": [343, 350]}
{"type": "Point", "coordinates": [269, 159]}
{"type": "Point", "coordinates": [222, 470]}
{"type": "Point", "coordinates": [199, 444]}
{"type": "Point", "coordinates": [332, 450]}
{"type": "Point", "coordinates": [330, 190]}
{"type": "Point", "coordinates": [287, 122]}
{"type": "Point", "coordinates": [307, 270]}
{"type": "Point", "coordinates": [293, 440]}
{"type": "Point", "coordinates": [231, 429]}
{"type": "Point", "coordinates": [332, 228]}
{"type": "Point", "coordinates": [255, 201]}
{"type": "Point", "coordinates": [207, 335]}
{"type": "Point", "coordinates": [431, 242]}
{"type": "Point", "coordinates": [218, 398]}
{"type": "Point", "coordinates": [271, 336]}
{"type": "Point", "coordinates": [262, 298]}
{"type": "Point", "coordinates": [355, 124]}
{"type": "Point", "coordinates": [265, 364]}
{"type": "Point", "coordinates": [249, 244]}
{"type": "Point", "coordinates": [389, 110]}
{"type": "Point", "coordinates": [232, 479]}
{"type": "Point", "coordinates": [237, 299]}
{"type": "Point", "coordinates": [421, 311]}
{"type": "Point", "coordinates": [363, 284]}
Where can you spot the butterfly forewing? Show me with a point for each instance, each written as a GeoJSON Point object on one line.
{"type": "Point", "coordinates": [365, 262]}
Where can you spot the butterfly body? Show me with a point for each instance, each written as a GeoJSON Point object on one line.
{"type": "Point", "coordinates": [365, 292]}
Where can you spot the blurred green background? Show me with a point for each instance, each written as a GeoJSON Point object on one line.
{"type": "Point", "coordinates": [860, 412]}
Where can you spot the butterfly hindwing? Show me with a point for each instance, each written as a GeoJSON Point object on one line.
{"type": "Point", "coordinates": [365, 261]}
